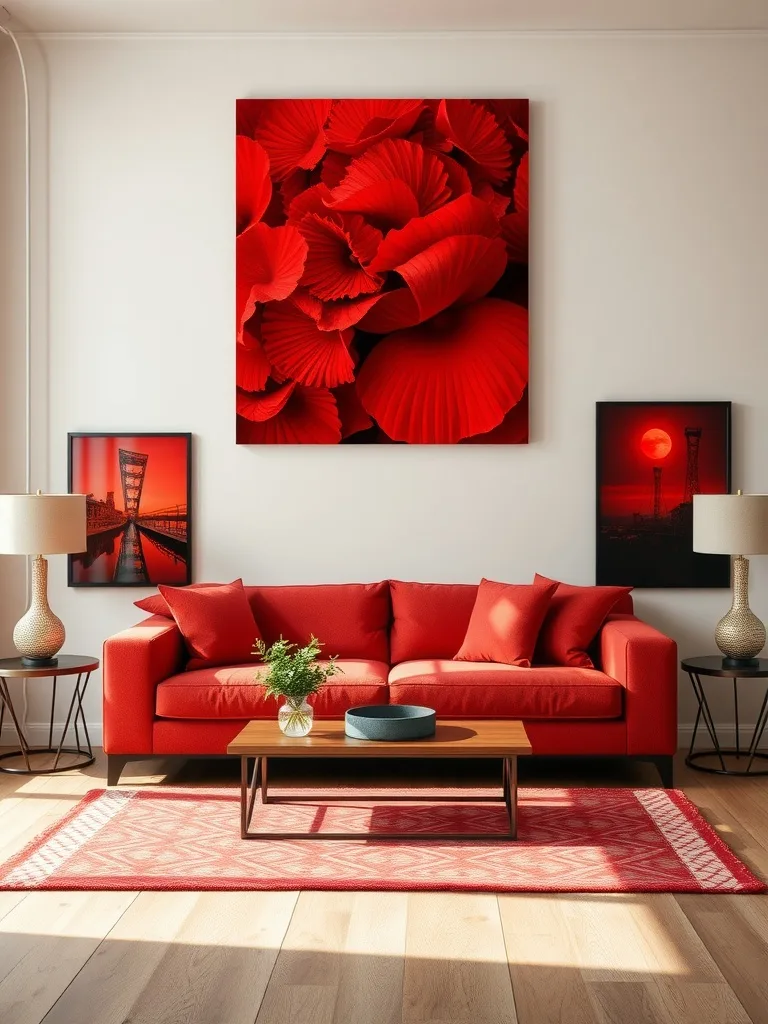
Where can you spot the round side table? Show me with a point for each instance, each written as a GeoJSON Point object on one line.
{"type": "Point", "coordinates": [712, 665]}
{"type": "Point", "coordinates": [68, 665]}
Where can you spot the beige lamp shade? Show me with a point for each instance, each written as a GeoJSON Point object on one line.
{"type": "Point", "coordinates": [730, 524]}
{"type": "Point", "coordinates": [42, 524]}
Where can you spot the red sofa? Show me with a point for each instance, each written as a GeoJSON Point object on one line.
{"type": "Point", "coordinates": [395, 642]}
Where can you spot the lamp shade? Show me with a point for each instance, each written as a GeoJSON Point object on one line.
{"type": "Point", "coordinates": [730, 524]}
{"type": "Point", "coordinates": [42, 524]}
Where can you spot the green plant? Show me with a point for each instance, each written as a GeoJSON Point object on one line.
{"type": "Point", "coordinates": [293, 671]}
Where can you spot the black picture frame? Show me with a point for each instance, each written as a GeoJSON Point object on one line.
{"type": "Point", "coordinates": [168, 531]}
{"type": "Point", "coordinates": [653, 546]}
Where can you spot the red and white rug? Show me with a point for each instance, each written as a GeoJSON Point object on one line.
{"type": "Point", "coordinates": [570, 840]}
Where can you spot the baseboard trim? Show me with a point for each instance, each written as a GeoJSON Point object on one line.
{"type": "Point", "coordinates": [37, 734]}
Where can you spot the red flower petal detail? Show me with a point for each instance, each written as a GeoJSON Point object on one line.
{"type": "Point", "coordinates": [476, 132]}
{"type": "Point", "coordinates": [252, 365]}
{"type": "Point", "coordinates": [248, 113]}
{"type": "Point", "coordinates": [295, 185]}
{"type": "Point", "coordinates": [458, 179]}
{"type": "Point", "coordinates": [394, 180]}
{"type": "Point", "coordinates": [394, 311]}
{"type": "Point", "coordinates": [513, 429]}
{"type": "Point", "coordinates": [263, 405]}
{"type": "Point", "coordinates": [425, 132]}
{"type": "Point", "coordinates": [521, 186]}
{"type": "Point", "coordinates": [515, 225]}
{"type": "Point", "coordinates": [515, 111]}
{"type": "Point", "coordinates": [356, 124]}
{"type": "Point", "coordinates": [253, 187]}
{"type": "Point", "coordinates": [386, 204]}
{"type": "Point", "coordinates": [338, 251]}
{"type": "Point", "coordinates": [297, 348]}
{"type": "Point", "coordinates": [334, 168]}
{"type": "Point", "coordinates": [461, 268]}
{"type": "Point", "coordinates": [311, 200]}
{"type": "Point", "coordinates": [467, 215]}
{"type": "Point", "coordinates": [292, 133]}
{"type": "Point", "coordinates": [309, 416]}
{"type": "Point", "coordinates": [269, 263]}
{"type": "Point", "coordinates": [334, 316]}
{"type": "Point", "coordinates": [453, 377]}
{"type": "Point", "coordinates": [497, 202]}
{"type": "Point", "coordinates": [353, 416]}
{"type": "Point", "coordinates": [458, 269]}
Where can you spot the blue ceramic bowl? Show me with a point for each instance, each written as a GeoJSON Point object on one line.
{"type": "Point", "coordinates": [389, 722]}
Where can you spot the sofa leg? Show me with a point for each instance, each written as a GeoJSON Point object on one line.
{"type": "Point", "coordinates": [115, 765]}
{"type": "Point", "coordinates": [665, 765]}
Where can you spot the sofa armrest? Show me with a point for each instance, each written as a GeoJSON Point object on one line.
{"type": "Point", "coordinates": [644, 660]}
{"type": "Point", "coordinates": [135, 661]}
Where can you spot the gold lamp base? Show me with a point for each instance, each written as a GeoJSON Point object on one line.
{"type": "Point", "coordinates": [39, 634]}
{"type": "Point", "coordinates": [740, 635]}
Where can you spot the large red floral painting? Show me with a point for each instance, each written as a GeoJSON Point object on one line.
{"type": "Point", "coordinates": [382, 271]}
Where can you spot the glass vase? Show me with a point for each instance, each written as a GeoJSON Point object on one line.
{"type": "Point", "coordinates": [295, 718]}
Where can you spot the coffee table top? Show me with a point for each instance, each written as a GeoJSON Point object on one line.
{"type": "Point", "coordinates": [453, 738]}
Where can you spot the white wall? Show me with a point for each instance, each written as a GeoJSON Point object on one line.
{"type": "Point", "coordinates": [649, 220]}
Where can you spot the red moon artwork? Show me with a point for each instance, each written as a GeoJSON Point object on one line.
{"type": "Point", "coordinates": [381, 271]}
{"type": "Point", "coordinates": [653, 458]}
{"type": "Point", "coordinates": [656, 444]}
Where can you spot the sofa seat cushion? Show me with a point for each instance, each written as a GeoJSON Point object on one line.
{"type": "Point", "coordinates": [458, 689]}
{"type": "Point", "coordinates": [232, 692]}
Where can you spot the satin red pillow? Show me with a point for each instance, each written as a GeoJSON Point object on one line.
{"type": "Point", "coordinates": [505, 622]}
{"type": "Point", "coordinates": [216, 622]}
{"type": "Point", "coordinates": [572, 622]}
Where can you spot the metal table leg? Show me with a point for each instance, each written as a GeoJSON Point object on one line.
{"type": "Point", "coordinates": [84, 753]}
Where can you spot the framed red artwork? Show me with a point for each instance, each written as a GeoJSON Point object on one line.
{"type": "Point", "coordinates": [138, 509]}
{"type": "Point", "coordinates": [382, 271]}
{"type": "Point", "coordinates": [652, 457]}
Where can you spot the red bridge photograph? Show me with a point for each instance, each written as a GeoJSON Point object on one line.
{"type": "Point", "coordinates": [137, 501]}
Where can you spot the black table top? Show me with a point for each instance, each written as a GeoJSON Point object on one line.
{"type": "Point", "coordinates": [69, 665]}
{"type": "Point", "coordinates": [712, 665]}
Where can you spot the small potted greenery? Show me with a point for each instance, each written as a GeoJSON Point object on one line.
{"type": "Point", "coordinates": [294, 674]}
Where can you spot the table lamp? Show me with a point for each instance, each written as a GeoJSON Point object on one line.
{"type": "Point", "coordinates": [41, 524]}
{"type": "Point", "coordinates": [734, 524]}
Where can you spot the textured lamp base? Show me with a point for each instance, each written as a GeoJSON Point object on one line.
{"type": "Point", "coordinates": [39, 634]}
{"type": "Point", "coordinates": [740, 635]}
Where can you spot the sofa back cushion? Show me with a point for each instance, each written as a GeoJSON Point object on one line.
{"type": "Point", "coordinates": [430, 620]}
{"type": "Point", "coordinates": [350, 619]}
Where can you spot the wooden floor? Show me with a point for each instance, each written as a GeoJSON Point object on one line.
{"type": "Point", "coordinates": [382, 958]}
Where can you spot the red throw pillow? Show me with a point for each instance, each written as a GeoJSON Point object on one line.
{"type": "Point", "coordinates": [156, 604]}
{"type": "Point", "coordinates": [216, 622]}
{"type": "Point", "coordinates": [505, 622]}
{"type": "Point", "coordinates": [573, 621]}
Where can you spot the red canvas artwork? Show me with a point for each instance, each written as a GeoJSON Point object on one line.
{"type": "Point", "coordinates": [382, 271]}
{"type": "Point", "coordinates": [138, 521]}
{"type": "Point", "coordinates": [652, 458]}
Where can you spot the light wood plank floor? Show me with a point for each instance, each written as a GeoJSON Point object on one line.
{"type": "Point", "coordinates": [383, 958]}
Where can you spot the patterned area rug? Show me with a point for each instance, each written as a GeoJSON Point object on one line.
{"type": "Point", "coordinates": [570, 840]}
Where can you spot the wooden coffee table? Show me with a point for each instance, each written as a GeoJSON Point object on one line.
{"type": "Point", "coordinates": [261, 740]}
